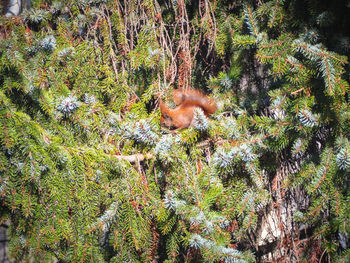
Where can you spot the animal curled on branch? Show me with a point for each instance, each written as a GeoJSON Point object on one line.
{"type": "Point", "coordinates": [186, 102]}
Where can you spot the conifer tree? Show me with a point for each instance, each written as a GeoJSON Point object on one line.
{"type": "Point", "coordinates": [88, 174]}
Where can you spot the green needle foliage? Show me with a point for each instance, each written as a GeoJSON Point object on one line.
{"type": "Point", "coordinates": [88, 175]}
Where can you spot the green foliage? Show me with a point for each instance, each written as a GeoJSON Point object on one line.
{"type": "Point", "coordinates": [86, 171]}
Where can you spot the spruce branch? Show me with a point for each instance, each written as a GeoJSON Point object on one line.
{"type": "Point", "coordinates": [251, 21]}
{"type": "Point", "coordinates": [135, 158]}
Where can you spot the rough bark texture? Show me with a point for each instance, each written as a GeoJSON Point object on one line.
{"type": "Point", "coordinates": [278, 236]}
{"type": "Point", "coordinates": [3, 244]}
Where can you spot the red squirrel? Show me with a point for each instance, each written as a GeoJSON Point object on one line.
{"type": "Point", "coordinates": [186, 101]}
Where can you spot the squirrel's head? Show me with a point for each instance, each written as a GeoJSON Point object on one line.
{"type": "Point", "coordinates": [165, 119]}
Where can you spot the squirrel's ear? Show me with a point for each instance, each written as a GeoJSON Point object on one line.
{"type": "Point", "coordinates": [161, 104]}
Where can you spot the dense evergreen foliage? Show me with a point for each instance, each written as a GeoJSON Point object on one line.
{"type": "Point", "coordinates": [87, 174]}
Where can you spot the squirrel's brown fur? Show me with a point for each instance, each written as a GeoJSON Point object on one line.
{"type": "Point", "coordinates": [187, 101]}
